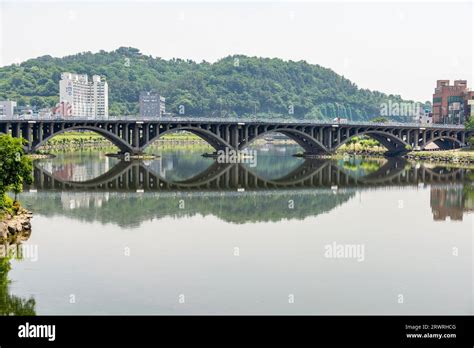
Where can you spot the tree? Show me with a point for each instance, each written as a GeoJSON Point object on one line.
{"type": "Point", "coordinates": [15, 167]}
{"type": "Point", "coordinates": [37, 102]}
{"type": "Point", "coordinates": [230, 87]}
{"type": "Point", "coordinates": [469, 124]}
{"type": "Point", "coordinates": [380, 120]}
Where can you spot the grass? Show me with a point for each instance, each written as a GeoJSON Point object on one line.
{"type": "Point", "coordinates": [93, 135]}
{"type": "Point", "coordinates": [82, 137]}
{"type": "Point", "coordinates": [181, 136]}
{"type": "Point", "coordinates": [461, 155]}
{"type": "Point", "coordinates": [79, 135]}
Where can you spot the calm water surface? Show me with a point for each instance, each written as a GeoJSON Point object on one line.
{"type": "Point", "coordinates": [183, 235]}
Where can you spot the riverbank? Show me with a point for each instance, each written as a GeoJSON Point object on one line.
{"type": "Point", "coordinates": [12, 225]}
{"type": "Point", "coordinates": [448, 156]}
{"type": "Point", "coordinates": [126, 157]}
{"type": "Point", "coordinates": [465, 155]}
{"type": "Point", "coordinates": [35, 156]}
{"type": "Point", "coordinates": [461, 156]}
{"type": "Point", "coordinates": [73, 141]}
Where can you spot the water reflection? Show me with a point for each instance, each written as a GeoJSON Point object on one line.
{"type": "Point", "coordinates": [151, 176]}
{"type": "Point", "coordinates": [183, 216]}
{"type": "Point", "coordinates": [9, 303]}
{"type": "Point", "coordinates": [127, 193]}
{"type": "Point", "coordinates": [451, 202]}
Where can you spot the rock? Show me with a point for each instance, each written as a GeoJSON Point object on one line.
{"type": "Point", "coordinates": [11, 229]}
{"type": "Point", "coordinates": [13, 226]}
{"type": "Point", "coordinates": [3, 230]}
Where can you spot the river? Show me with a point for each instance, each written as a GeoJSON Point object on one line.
{"type": "Point", "coordinates": [281, 235]}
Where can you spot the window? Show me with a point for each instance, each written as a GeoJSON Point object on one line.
{"type": "Point", "coordinates": [455, 99]}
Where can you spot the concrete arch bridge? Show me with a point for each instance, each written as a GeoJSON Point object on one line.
{"type": "Point", "coordinates": [134, 135]}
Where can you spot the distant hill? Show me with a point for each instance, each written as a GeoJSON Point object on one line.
{"type": "Point", "coordinates": [233, 86]}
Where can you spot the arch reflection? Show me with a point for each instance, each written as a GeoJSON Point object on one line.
{"type": "Point", "coordinates": [312, 173]}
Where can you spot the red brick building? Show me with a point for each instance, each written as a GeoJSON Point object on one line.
{"type": "Point", "coordinates": [451, 102]}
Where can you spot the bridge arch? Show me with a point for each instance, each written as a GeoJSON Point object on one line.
{"type": "Point", "coordinates": [307, 142]}
{"type": "Point", "coordinates": [212, 139]}
{"type": "Point", "coordinates": [446, 146]}
{"type": "Point", "coordinates": [390, 141]}
{"type": "Point", "coordinates": [114, 139]}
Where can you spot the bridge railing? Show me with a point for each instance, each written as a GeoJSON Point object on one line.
{"type": "Point", "coordinates": [235, 120]}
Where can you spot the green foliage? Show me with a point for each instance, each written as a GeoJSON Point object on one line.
{"type": "Point", "coordinates": [379, 120]}
{"type": "Point", "coordinates": [15, 169]}
{"type": "Point", "coordinates": [235, 86]}
{"type": "Point", "coordinates": [365, 167]}
{"type": "Point", "coordinates": [469, 124]}
{"type": "Point", "coordinates": [123, 210]}
{"type": "Point", "coordinates": [6, 205]}
{"type": "Point", "coordinates": [10, 304]}
{"type": "Point", "coordinates": [361, 143]}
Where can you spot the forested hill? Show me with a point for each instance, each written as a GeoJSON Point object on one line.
{"type": "Point", "coordinates": [233, 86]}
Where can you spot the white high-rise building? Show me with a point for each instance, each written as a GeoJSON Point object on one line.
{"type": "Point", "coordinates": [88, 99]}
{"type": "Point", "coordinates": [7, 108]}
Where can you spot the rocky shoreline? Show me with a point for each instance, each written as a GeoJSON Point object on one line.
{"type": "Point", "coordinates": [13, 225]}
{"type": "Point", "coordinates": [461, 157]}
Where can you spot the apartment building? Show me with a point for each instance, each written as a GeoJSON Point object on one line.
{"type": "Point", "coordinates": [451, 103]}
{"type": "Point", "coordinates": [151, 104]}
{"type": "Point", "coordinates": [88, 99]}
{"type": "Point", "coordinates": [7, 108]}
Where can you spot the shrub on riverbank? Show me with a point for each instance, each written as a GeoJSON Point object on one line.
{"type": "Point", "coordinates": [362, 144]}
{"type": "Point", "coordinates": [6, 204]}
{"type": "Point", "coordinates": [15, 169]}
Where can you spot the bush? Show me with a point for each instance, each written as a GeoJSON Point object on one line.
{"type": "Point", "coordinates": [16, 207]}
{"type": "Point", "coordinates": [15, 169]}
{"type": "Point", "coordinates": [6, 205]}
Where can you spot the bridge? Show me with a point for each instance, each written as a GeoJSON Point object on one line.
{"type": "Point", "coordinates": [218, 177]}
{"type": "Point", "coordinates": [133, 135]}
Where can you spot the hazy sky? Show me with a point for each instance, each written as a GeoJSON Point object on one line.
{"type": "Point", "coordinates": [394, 47]}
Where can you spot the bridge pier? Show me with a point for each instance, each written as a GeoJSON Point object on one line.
{"type": "Point", "coordinates": [29, 137]}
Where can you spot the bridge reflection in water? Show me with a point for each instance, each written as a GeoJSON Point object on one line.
{"type": "Point", "coordinates": [136, 175]}
{"type": "Point", "coordinates": [132, 192]}
{"type": "Point", "coordinates": [183, 226]}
